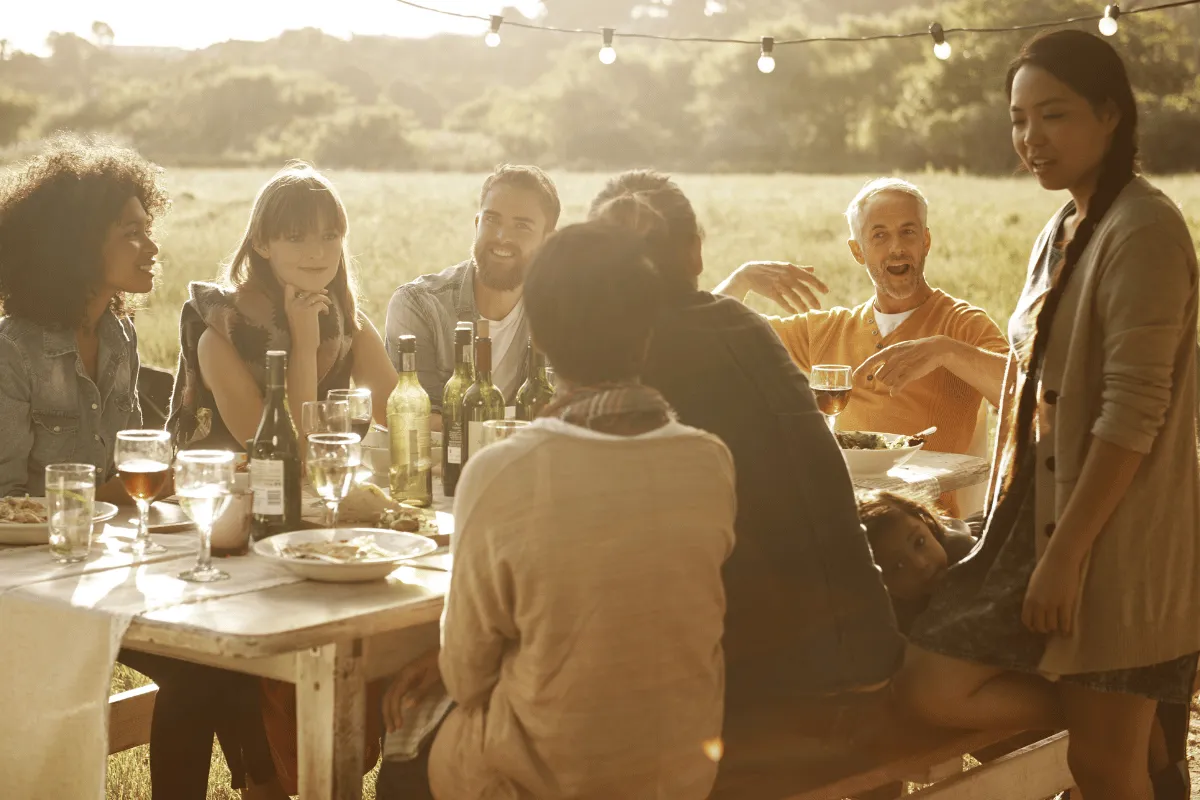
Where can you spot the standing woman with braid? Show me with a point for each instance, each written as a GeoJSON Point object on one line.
{"type": "Point", "coordinates": [1082, 604]}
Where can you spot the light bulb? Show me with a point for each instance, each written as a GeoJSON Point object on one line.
{"type": "Point", "coordinates": [607, 55]}
{"type": "Point", "coordinates": [1108, 25]}
{"type": "Point", "coordinates": [942, 50]}
{"type": "Point", "coordinates": [766, 64]}
{"type": "Point", "coordinates": [492, 39]}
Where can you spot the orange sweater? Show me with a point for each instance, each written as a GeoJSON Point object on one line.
{"type": "Point", "coordinates": [849, 336]}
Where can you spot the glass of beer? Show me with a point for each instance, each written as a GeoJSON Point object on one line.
{"type": "Point", "coordinates": [831, 383]}
{"type": "Point", "coordinates": [70, 506]}
{"type": "Point", "coordinates": [143, 461]}
{"type": "Point", "coordinates": [359, 402]}
{"type": "Point", "coordinates": [333, 461]}
{"type": "Point", "coordinates": [203, 480]}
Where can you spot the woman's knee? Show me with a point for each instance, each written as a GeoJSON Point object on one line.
{"type": "Point", "coordinates": [930, 687]}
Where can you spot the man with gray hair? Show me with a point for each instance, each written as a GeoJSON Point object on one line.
{"type": "Point", "coordinates": [921, 357]}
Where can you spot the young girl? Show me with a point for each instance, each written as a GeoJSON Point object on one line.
{"type": "Point", "coordinates": [1089, 569]}
{"type": "Point", "coordinates": [912, 547]}
{"type": "Point", "coordinates": [288, 287]}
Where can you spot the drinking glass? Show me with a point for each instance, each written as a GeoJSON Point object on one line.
{"type": "Point", "coordinates": [70, 506]}
{"type": "Point", "coordinates": [359, 401]}
{"type": "Point", "coordinates": [203, 480]}
{"type": "Point", "coordinates": [333, 461]}
{"type": "Point", "coordinates": [143, 461]}
{"type": "Point", "coordinates": [831, 383]}
{"type": "Point", "coordinates": [325, 416]}
{"type": "Point", "coordinates": [496, 429]}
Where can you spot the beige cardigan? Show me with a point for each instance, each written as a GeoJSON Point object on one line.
{"type": "Point", "coordinates": [1121, 366]}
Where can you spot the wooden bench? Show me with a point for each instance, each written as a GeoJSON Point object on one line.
{"type": "Point", "coordinates": [129, 715]}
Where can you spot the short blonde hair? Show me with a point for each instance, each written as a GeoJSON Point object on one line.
{"type": "Point", "coordinates": [854, 212]}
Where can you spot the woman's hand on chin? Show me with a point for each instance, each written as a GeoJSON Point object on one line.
{"type": "Point", "coordinates": [303, 312]}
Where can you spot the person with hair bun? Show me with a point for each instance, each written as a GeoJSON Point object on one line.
{"type": "Point", "coordinates": [1080, 605]}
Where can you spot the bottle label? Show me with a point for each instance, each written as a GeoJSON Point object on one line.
{"type": "Point", "coordinates": [454, 444]}
{"type": "Point", "coordinates": [266, 485]}
{"type": "Point", "coordinates": [474, 438]}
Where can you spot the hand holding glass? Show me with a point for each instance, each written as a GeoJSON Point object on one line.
{"type": "Point", "coordinates": [333, 460]}
{"type": "Point", "coordinates": [831, 383]}
{"type": "Point", "coordinates": [203, 480]}
{"type": "Point", "coordinates": [70, 508]}
{"type": "Point", "coordinates": [143, 461]}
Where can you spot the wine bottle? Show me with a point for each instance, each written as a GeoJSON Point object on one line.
{"type": "Point", "coordinates": [275, 459]}
{"type": "Point", "coordinates": [536, 392]}
{"type": "Point", "coordinates": [408, 430]}
{"type": "Point", "coordinates": [452, 416]}
{"type": "Point", "coordinates": [482, 401]}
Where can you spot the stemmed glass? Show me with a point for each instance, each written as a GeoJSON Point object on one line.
{"type": "Point", "coordinates": [143, 460]}
{"type": "Point", "coordinates": [333, 460]}
{"type": "Point", "coordinates": [325, 416]}
{"type": "Point", "coordinates": [203, 480]}
{"type": "Point", "coordinates": [359, 401]}
{"type": "Point", "coordinates": [831, 383]}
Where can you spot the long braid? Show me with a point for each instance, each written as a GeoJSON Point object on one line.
{"type": "Point", "coordinates": [1117, 171]}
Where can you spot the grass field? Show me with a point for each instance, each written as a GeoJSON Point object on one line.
{"type": "Point", "coordinates": [403, 225]}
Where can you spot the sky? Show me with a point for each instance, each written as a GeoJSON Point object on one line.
{"type": "Point", "coordinates": [178, 23]}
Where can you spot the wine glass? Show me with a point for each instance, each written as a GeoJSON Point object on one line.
{"type": "Point", "coordinates": [359, 401]}
{"type": "Point", "coordinates": [143, 460]}
{"type": "Point", "coordinates": [325, 416]}
{"type": "Point", "coordinates": [333, 460]}
{"type": "Point", "coordinates": [831, 383]}
{"type": "Point", "coordinates": [496, 429]}
{"type": "Point", "coordinates": [203, 480]}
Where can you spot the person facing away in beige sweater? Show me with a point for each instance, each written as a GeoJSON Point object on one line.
{"type": "Point", "coordinates": [581, 637]}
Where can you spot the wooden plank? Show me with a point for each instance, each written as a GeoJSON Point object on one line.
{"type": "Point", "coordinates": [129, 717]}
{"type": "Point", "coordinates": [331, 694]}
{"type": "Point", "coordinates": [1037, 771]}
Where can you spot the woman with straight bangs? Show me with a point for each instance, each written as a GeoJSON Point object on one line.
{"type": "Point", "coordinates": [1080, 606]}
{"type": "Point", "coordinates": [289, 286]}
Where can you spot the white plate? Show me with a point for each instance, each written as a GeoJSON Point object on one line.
{"type": "Point", "coordinates": [39, 532]}
{"type": "Point", "coordinates": [873, 463]}
{"type": "Point", "coordinates": [403, 546]}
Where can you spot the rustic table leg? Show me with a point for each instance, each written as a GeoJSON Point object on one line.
{"type": "Point", "coordinates": [331, 710]}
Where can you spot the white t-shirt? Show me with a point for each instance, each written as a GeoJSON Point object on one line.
{"type": "Point", "coordinates": [889, 322]}
{"type": "Point", "coordinates": [507, 353]}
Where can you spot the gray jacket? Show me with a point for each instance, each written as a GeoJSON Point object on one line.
{"type": "Point", "coordinates": [50, 410]}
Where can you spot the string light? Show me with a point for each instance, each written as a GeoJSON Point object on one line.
{"type": "Point", "coordinates": [493, 37]}
{"type": "Point", "coordinates": [1108, 25]}
{"type": "Point", "coordinates": [766, 61]}
{"type": "Point", "coordinates": [941, 48]}
{"type": "Point", "coordinates": [607, 53]}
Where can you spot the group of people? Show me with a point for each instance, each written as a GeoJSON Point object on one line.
{"type": "Point", "coordinates": [666, 586]}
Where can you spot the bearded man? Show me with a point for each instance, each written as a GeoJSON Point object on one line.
{"type": "Point", "coordinates": [921, 357]}
{"type": "Point", "coordinates": [518, 209]}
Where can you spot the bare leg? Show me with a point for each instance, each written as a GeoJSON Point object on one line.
{"type": "Point", "coordinates": [962, 694]}
{"type": "Point", "coordinates": [1109, 742]}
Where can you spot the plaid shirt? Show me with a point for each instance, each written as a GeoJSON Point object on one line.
{"type": "Point", "coordinates": [429, 308]}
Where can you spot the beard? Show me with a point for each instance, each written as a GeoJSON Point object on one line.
{"type": "Point", "coordinates": [899, 287]}
{"type": "Point", "coordinates": [500, 277]}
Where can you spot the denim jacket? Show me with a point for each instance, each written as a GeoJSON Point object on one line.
{"type": "Point", "coordinates": [50, 410]}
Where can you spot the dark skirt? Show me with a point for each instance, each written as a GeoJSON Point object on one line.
{"type": "Point", "coordinates": [975, 615]}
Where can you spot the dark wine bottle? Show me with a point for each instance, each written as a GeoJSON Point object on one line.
{"type": "Point", "coordinates": [275, 459]}
{"type": "Point", "coordinates": [536, 392]}
{"type": "Point", "coordinates": [452, 416]}
{"type": "Point", "coordinates": [482, 401]}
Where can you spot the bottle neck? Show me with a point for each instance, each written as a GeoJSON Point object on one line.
{"type": "Point", "coordinates": [462, 359]}
{"type": "Point", "coordinates": [408, 362]}
{"type": "Point", "coordinates": [537, 366]}
{"type": "Point", "coordinates": [483, 360]}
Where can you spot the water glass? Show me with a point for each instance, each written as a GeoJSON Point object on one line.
{"type": "Point", "coordinates": [496, 429]}
{"type": "Point", "coordinates": [143, 461]}
{"type": "Point", "coordinates": [203, 481]}
{"type": "Point", "coordinates": [831, 384]}
{"type": "Point", "coordinates": [333, 461]}
{"type": "Point", "coordinates": [70, 506]}
{"type": "Point", "coordinates": [359, 401]}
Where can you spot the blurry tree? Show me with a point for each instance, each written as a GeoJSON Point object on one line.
{"type": "Point", "coordinates": [16, 111]}
{"type": "Point", "coordinates": [102, 34]}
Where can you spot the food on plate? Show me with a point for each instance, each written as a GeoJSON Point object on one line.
{"type": "Point", "coordinates": [868, 440]}
{"type": "Point", "coordinates": [365, 503]}
{"type": "Point", "coordinates": [408, 520]}
{"type": "Point", "coordinates": [349, 551]}
{"type": "Point", "coordinates": [22, 511]}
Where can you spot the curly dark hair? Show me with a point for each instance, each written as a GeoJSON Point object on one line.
{"type": "Point", "coordinates": [56, 210]}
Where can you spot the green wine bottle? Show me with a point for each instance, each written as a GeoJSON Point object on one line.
{"type": "Point", "coordinates": [408, 430]}
{"type": "Point", "coordinates": [536, 392]}
{"type": "Point", "coordinates": [275, 459]}
{"type": "Point", "coordinates": [452, 417]}
{"type": "Point", "coordinates": [482, 401]}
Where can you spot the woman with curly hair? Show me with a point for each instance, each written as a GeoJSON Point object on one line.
{"type": "Point", "coordinates": [75, 239]}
